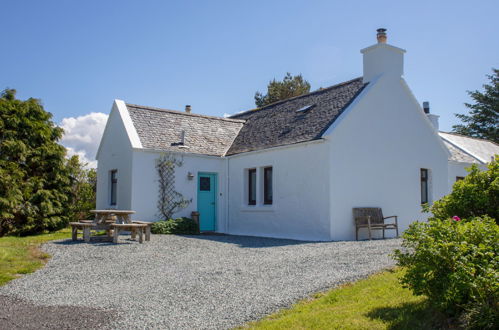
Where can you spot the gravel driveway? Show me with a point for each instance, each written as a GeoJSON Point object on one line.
{"type": "Point", "coordinates": [172, 282]}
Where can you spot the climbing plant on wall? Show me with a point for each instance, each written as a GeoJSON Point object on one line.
{"type": "Point", "coordinates": [170, 201]}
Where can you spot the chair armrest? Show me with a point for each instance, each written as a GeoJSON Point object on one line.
{"type": "Point", "coordinates": [392, 216]}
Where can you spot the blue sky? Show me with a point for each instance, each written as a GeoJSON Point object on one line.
{"type": "Point", "coordinates": [77, 56]}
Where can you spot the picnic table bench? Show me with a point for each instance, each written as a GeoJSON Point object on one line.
{"type": "Point", "coordinates": [147, 229]}
{"type": "Point", "coordinates": [135, 228]}
{"type": "Point", "coordinates": [84, 227]}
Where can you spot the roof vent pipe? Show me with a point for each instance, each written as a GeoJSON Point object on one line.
{"type": "Point", "coordinates": [188, 108]}
{"type": "Point", "coordinates": [381, 35]}
{"type": "Point", "coordinates": [426, 107]}
{"type": "Point", "coordinates": [182, 138]}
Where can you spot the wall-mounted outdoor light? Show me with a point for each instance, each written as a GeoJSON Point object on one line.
{"type": "Point", "coordinates": [190, 176]}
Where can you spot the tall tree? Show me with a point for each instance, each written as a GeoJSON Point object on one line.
{"type": "Point", "coordinates": [34, 179]}
{"type": "Point", "coordinates": [483, 118]}
{"type": "Point", "coordinates": [280, 90]}
{"type": "Point", "coordinates": [83, 188]}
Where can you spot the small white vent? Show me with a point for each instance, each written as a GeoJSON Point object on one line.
{"type": "Point", "coordinates": [305, 108]}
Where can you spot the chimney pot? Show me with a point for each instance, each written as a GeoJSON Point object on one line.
{"type": "Point", "coordinates": [426, 107]}
{"type": "Point", "coordinates": [432, 117]}
{"type": "Point", "coordinates": [381, 35]}
{"type": "Point", "coordinates": [188, 108]}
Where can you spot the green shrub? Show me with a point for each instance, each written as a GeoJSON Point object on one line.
{"type": "Point", "coordinates": [455, 264]}
{"type": "Point", "coordinates": [183, 226]}
{"type": "Point", "coordinates": [474, 196]}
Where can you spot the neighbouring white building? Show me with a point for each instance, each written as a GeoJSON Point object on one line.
{"type": "Point", "coordinates": [295, 168]}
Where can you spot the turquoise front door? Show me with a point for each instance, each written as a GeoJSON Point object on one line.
{"type": "Point", "coordinates": [207, 201]}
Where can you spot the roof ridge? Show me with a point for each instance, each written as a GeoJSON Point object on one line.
{"type": "Point", "coordinates": [178, 112]}
{"type": "Point", "coordinates": [297, 97]}
{"type": "Point", "coordinates": [469, 137]}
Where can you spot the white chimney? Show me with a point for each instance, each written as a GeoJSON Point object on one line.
{"type": "Point", "coordinates": [433, 118]}
{"type": "Point", "coordinates": [382, 58]}
{"type": "Point", "coordinates": [188, 108]}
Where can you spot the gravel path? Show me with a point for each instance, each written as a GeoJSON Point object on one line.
{"type": "Point", "coordinates": [196, 282]}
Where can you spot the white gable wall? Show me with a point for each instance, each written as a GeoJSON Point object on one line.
{"type": "Point", "coordinates": [457, 169]}
{"type": "Point", "coordinates": [300, 193]}
{"type": "Point", "coordinates": [115, 153]}
{"type": "Point", "coordinates": [146, 186]}
{"type": "Point", "coordinates": [377, 148]}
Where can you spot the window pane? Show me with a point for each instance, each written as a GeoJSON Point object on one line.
{"type": "Point", "coordinates": [204, 184]}
{"type": "Point", "coordinates": [252, 187]}
{"type": "Point", "coordinates": [424, 186]}
{"type": "Point", "coordinates": [267, 185]}
{"type": "Point", "coordinates": [424, 193]}
{"type": "Point", "coordinates": [114, 183]}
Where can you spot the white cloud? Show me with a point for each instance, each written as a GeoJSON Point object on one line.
{"type": "Point", "coordinates": [82, 135]}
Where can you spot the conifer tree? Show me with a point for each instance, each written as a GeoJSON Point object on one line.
{"type": "Point", "coordinates": [483, 118]}
{"type": "Point", "coordinates": [280, 90]}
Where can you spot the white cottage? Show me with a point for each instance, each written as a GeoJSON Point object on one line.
{"type": "Point", "coordinates": [292, 169]}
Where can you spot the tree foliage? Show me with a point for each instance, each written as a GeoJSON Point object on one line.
{"type": "Point", "coordinates": [35, 182]}
{"type": "Point", "coordinates": [454, 262]}
{"type": "Point", "coordinates": [280, 90]}
{"type": "Point", "coordinates": [83, 188]}
{"type": "Point", "coordinates": [476, 195]}
{"type": "Point", "coordinates": [483, 118]}
{"type": "Point", "coordinates": [453, 259]}
{"type": "Point", "coordinates": [169, 200]}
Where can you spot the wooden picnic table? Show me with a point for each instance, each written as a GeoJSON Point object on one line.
{"type": "Point", "coordinates": [123, 216]}
{"type": "Point", "coordinates": [104, 221]}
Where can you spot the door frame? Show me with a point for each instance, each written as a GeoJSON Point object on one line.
{"type": "Point", "coordinates": [215, 179]}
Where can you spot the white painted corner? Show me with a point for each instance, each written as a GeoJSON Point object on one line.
{"type": "Point", "coordinates": [127, 121]}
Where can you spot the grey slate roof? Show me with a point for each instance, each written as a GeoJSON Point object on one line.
{"type": "Point", "coordinates": [281, 124]}
{"type": "Point", "coordinates": [161, 129]}
{"type": "Point", "coordinates": [469, 150]}
{"type": "Point", "coordinates": [459, 155]}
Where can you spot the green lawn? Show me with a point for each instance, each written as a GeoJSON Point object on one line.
{"type": "Point", "coordinates": [21, 255]}
{"type": "Point", "coordinates": [378, 302]}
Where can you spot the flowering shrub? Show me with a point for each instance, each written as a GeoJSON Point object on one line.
{"type": "Point", "coordinates": [474, 196]}
{"type": "Point", "coordinates": [454, 262]}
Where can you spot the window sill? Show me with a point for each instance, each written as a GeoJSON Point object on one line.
{"type": "Point", "coordinates": [258, 208]}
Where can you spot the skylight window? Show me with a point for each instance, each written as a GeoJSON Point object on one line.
{"type": "Point", "coordinates": [305, 108]}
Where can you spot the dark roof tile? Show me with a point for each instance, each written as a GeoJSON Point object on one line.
{"type": "Point", "coordinates": [281, 124]}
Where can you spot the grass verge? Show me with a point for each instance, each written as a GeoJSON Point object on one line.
{"type": "Point", "coordinates": [22, 255]}
{"type": "Point", "coordinates": [378, 302]}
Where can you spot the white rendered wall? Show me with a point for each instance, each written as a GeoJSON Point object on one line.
{"type": "Point", "coordinates": [300, 193]}
{"type": "Point", "coordinates": [383, 59]}
{"type": "Point", "coordinates": [115, 153]}
{"type": "Point", "coordinates": [145, 184]}
{"type": "Point", "coordinates": [378, 147]}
